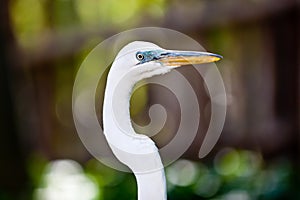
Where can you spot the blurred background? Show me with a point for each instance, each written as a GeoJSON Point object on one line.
{"type": "Point", "coordinates": [43, 43]}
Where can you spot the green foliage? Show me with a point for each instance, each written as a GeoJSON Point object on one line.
{"type": "Point", "coordinates": [34, 18]}
{"type": "Point", "coordinates": [119, 13]}
{"type": "Point", "coordinates": [29, 19]}
{"type": "Point", "coordinates": [252, 179]}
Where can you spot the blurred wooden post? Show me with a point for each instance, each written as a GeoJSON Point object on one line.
{"type": "Point", "coordinates": [12, 168]}
{"type": "Point", "coordinates": [286, 40]}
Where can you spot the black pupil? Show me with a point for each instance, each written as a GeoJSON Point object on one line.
{"type": "Point", "coordinates": [140, 56]}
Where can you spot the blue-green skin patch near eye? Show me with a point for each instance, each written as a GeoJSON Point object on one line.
{"type": "Point", "coordinates": [149, 55]}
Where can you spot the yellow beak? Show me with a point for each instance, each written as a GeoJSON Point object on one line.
{"type": "Point", "coordinates": [180, 58]}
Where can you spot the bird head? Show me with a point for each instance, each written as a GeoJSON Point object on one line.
{"type": "Point", "coordinates": [145, 59]}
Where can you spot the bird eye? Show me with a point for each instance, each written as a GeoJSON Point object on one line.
{"type": "Point", "coordinates": [139, 56]}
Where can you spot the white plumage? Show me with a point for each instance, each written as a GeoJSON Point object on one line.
{"type": "Point", "coordinates": [136, 61]}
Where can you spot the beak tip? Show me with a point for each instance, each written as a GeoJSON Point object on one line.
{"type": "Point", "coordinates": [218, 57]}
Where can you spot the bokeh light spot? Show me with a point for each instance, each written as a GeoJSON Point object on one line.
{"type": "Point", "coordinates": [237, 195]}
{"type": "Point", "coordinates": [182, 173]}
{"type": "Point", "coordinates": [207, 185]}
{"type": "Point", "coordinates": [65, 180]}
{"type": "Point", "coordinates": [227, 161]}
{"type": "Point", "coordinates": [250, 163]}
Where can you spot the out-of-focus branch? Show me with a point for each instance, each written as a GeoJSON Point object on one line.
{"type": "Point", "coordinates": [53, 46]}
{"type": "Point", "coordinates": [208, 14]}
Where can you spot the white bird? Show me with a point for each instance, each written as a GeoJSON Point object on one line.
{"type": "Point", "coordinates": [136, 61]}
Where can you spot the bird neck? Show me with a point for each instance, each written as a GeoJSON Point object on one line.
{"type": "Point", "coordinates": [151, 185]}
{"type": "Point", "coordinates": [136, 151]}
{"type": "Point", "coordinates": [117, 105]}
{"type": "Point", "coordinates": [117, 125]}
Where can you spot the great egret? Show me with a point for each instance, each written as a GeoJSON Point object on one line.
{"type": "Point", "coordinates": [136, 61]}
